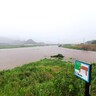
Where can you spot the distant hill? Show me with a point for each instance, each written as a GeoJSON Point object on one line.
{"type": "Point", "coordinates": [4, 40]}
{"type": "Point", "coordinates": [30, 41]}
{"type": "Point", "coordinates": [91, 42]}
{"type": "Point", "coordinates": [8, 41]}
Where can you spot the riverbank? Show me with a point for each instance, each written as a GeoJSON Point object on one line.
{"type": "Point", "coordinates": [18, 46]}
{"type": "Point", "coordinates": [47, 77]}
{"type": "Point", "coordinates": [87, 47]}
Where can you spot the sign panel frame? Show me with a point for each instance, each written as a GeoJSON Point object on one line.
{"type": "Point", "coordinates": [82, 70]}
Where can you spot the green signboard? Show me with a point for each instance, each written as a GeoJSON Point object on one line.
{"type": "Point", "coordinates": [82, 70]}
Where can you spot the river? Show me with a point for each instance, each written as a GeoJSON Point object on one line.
{"type": "Point", "coordinates": [10, 58]}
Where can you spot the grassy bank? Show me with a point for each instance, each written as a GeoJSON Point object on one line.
{"type": "Point", "coordinates": [47, 77]}
{"type": "Point", "coordinates": [17, 46]}
{"type": "Point", "coordinates": [88, 47]}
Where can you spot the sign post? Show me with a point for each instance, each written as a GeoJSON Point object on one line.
{"type": "Point", "coordinates": [83, 71]}
{"type": "Point", "coordinates": [87, 85]}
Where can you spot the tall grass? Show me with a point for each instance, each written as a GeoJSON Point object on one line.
{"type": "Point", "coordinates": [89, 47]}
{"type": "Point", "coordinates": [47, 77]}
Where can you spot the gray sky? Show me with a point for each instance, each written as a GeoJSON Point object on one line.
{"type": "Point", "coordinates": [53, 21]}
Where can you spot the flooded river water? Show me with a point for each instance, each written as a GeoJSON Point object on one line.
{"type": "Point", "coordinates": [10, 58]}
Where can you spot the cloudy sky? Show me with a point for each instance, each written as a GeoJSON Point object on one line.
{"type": "Point", "coordinates": [53, 21]}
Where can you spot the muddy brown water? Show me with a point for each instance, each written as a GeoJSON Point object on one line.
{"type": "Point", "coordinates": [10, 58]}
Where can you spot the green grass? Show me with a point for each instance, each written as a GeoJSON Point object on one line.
{"type": "Point", "coordinates": [17, 46]}
{"type": "Point", "coordinates": [70, 46]}
{"type": "Point", "coordinates": [47, 77]}
{"type": "Point", "coordinates": [88, 47]}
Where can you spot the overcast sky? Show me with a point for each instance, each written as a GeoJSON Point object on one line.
{"type": "Point", "coordinates": [53, 21]}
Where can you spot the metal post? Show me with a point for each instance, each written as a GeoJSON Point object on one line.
{"type": "Point", "coordinates": [87, 85]}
